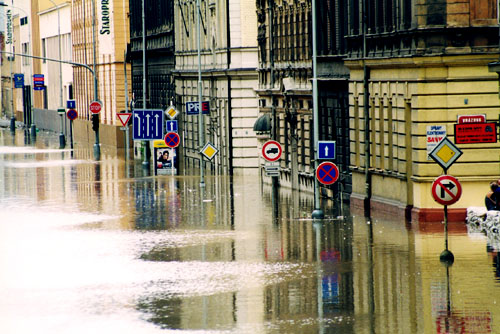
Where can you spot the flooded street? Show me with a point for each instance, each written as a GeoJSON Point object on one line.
{"type": "Point", "coordinates": [102, 247]}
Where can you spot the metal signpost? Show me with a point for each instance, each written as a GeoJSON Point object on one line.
{"type": "Point", "coordinates": [446, 189]}
{"type": "Point", "coordinates": [72, 114]}
{"type": "Point", "coordinates": [124, 118]}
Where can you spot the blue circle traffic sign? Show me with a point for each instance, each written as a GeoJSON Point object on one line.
{"type": "Point", "coordinates": [327, 173]}
{"type": "Point", "coordinates": [172, 139]}
{"type": "Point", "coordinates": [72, 114]}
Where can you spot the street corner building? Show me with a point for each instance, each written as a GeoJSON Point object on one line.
{"type": "Point", "coordinates": [416, 68]}
{"type": "Point", "coordinates": [100, 31]}
{"type": "Point", "coordinates": [389, 86]}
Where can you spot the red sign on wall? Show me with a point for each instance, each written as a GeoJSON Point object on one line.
{"type": "Point", "coordinates": [474, 133]}
{"type": "Point", "coordinates": [472, 118]}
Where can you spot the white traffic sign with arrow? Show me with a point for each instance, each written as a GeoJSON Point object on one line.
{"type": "Point", "coordinates": [326, 149]}
{"type": "Point", "coordinates": [446, 190]}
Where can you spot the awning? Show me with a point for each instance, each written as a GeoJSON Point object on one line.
{"type": "Point", "coordinates": [262, 124]}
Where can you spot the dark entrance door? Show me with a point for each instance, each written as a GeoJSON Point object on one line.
{"type": "Point", "coordinates": [334, 125]}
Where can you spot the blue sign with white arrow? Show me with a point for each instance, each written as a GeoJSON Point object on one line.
{"type": "Point", "coordinates": [326, 150]}
{"type": "Point", "coordinates": [172, 126]}
{"type": "Point", "coordinates": [148, 124]}
{"type": "Point", "coordinates": [70, 104]}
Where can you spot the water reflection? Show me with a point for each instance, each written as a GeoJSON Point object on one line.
{"type": "Point", "coordinates": [100, 246]}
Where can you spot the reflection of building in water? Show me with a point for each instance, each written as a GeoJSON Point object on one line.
{"type": "Point", "coordinates": [386, 283]}
{"type": "Point", "coordinates": [400, 285]}
{"type": "Point", "coordinates": [297, 300]}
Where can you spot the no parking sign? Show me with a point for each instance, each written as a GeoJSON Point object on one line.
{"type": "Point", "coordinates": [327, 173]}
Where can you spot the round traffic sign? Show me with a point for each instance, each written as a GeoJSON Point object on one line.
{"type": "Point", "coordinates": [271, 151]}
{"type": "Point", "coordinates": [446, 190]}
{"type": "Point", "coordinates": [72, 114]}
{"type": "Point", "coordinates": [327, 173]}
{"type": "Point", "coordinates": [172, 139]}
{"type": "Point", "coordinates": [95, 107]}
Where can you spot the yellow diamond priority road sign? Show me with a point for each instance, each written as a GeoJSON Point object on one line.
{"type": "Point", "coordinates": [171, 112]}
{"type": "Point", "coordinates": [445, 153]}
{"type": "Point", "coordinates": [209, 151]}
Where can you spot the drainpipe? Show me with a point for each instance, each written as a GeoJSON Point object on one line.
{"type": "Point", "coordinates": [274, 121]}
{"type": "Point", "coordinates": [229, 104]}
{"type": "Point", "coordinates": [366, 108]}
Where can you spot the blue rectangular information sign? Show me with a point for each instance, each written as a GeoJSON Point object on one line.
{"type": "Point", "coordinates": [148, 124]}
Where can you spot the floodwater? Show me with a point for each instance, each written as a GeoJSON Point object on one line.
{"type": "Point", "coordinates": [101, 247]}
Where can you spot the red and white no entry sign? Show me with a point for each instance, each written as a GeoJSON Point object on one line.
{"type": "Point", "coordinates": [271, 150]}
{"type": "Point", "coordinates": [95, 107]}
{"type": "Point", "coordinates": [446, 190]}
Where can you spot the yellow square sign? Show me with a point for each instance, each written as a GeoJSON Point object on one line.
{"type": "Point", "coordinates": [445, 153]}
{"type": "Point", "coordinates": [209, 151]}
{"type": "Point", "coordinates": [171, 112]}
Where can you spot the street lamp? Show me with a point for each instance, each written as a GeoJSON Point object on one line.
{"type": "Point", "coordinates": [62, 139]}
{"type": "Point", "coordinates": [95, 117]}
{"type": "Point", "coordinates": [201, 129]}
{"type": "Point", "coordinates": [30, 42]}
{"type": "Point", "coordinates": [317, 213]}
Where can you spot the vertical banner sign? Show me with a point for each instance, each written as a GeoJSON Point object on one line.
{"type": "Point", "coordinates": [435, 133]}
{"type": "Point", "coordinates": [106, 33]}
{"type": "Point", "coordinates": [9, 27]}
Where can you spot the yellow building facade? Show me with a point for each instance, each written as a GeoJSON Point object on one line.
{"type": "Point", "coordinates": [100, 28]}
{"type": "Point", "coordinates": [406, 97]}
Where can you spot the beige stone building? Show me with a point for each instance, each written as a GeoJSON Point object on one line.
{"type": "Point", "coordinates": [229, 78]}
{"type": "Point", "coordinates": [100, 28]}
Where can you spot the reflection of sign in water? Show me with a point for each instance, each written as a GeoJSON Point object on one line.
{"type": "Point", "coordinates": [330, 283]}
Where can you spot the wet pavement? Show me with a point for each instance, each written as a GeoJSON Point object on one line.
{"type": "Point", "coordinates": [102, 247]}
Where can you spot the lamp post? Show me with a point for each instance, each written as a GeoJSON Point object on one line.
{"type": "Point", "coordinates": [200, 112]}
{"type": "Point", "coordinates": [145, 162]}
{"type": "Point", "coordinates": [62, 139]}
{"type": "Point", "coordinates": [95, 117]}
{"type": "Point", "coordinates": [317, 213]}
{"type": "Point", "coordinates": [30, 51]}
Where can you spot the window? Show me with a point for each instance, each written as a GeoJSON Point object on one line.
{"type": "Point", "coordinates": [25, 47]}
{"type": "Point", "coordinates": [483, 12]}
{"type": "Point", "coordinates": [44, 50]}
{"type": "Point", "coordinates": [24, 20]}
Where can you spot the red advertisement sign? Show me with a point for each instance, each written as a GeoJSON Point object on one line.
{"type": "Point", "coordinates": [475, 133]}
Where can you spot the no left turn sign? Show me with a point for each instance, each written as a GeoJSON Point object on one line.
{"type": "Point", "coordinates": [446, 190]}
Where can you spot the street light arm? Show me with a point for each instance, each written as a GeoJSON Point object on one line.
{"type": "Point", "coordinates": [51, 59]}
